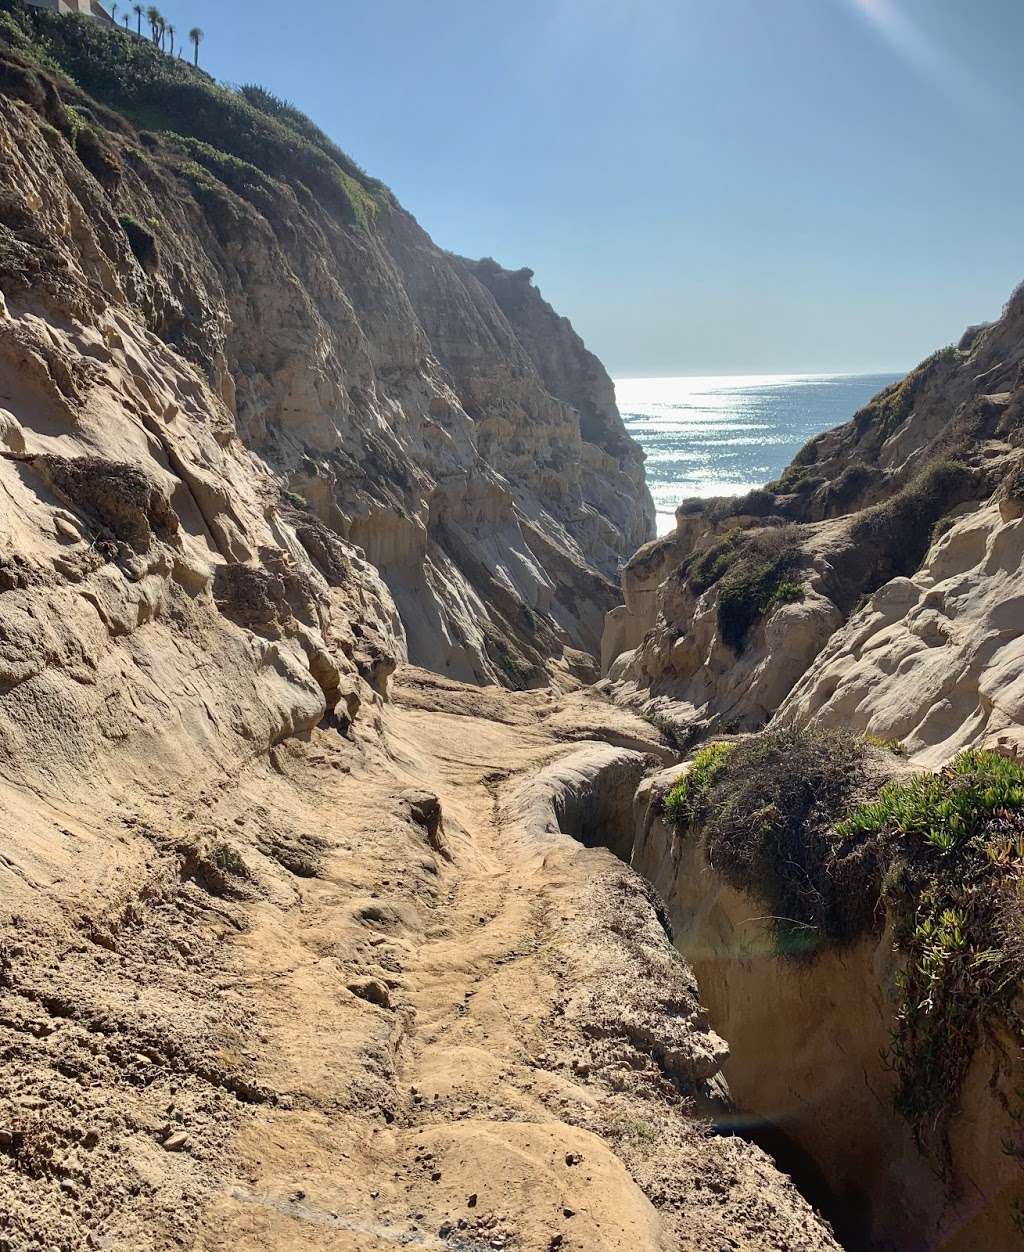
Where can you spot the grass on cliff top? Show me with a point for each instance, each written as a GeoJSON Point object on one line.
{"type": "Point", "coordinates": [210, 170]}
{"type": "Point", "coordinates": [870, 427]}
{"type": "Point", "coordinates": [163, 93]}
{"type": "Point", "coordinates": [898, 532]}
{"type": "Point", "coordinates": [683, 803]}
{"type": "Point", "coordinates": [887, 411]}
{"type": "Point", "coordinates": [788, 815]}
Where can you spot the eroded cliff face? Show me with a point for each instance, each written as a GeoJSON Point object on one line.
{"type": "Point", "coordinates": [294, 954]}
{"type": "Point", "coordinates": [611, 463]}
{"type": "Point", "coordinates": [875, 586]}
{"type": "Point", "coordinates": [811, 1055]}
{"type": "Point", "coordinates": [488, 480]}
{"type": "Point", "coordinates": [873, 592]}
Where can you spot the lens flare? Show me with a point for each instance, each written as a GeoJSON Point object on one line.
{"type": "Point", "coordinates": [931, 62]}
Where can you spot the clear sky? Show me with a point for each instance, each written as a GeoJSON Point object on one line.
{"type": "Point", "coordinates": [703, 186]}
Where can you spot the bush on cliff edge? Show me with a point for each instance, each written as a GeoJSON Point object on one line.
{"type": "Point", "coordinates": [163, 93]}
{"type": "Point", "coordinates": [753, 571]}
{"type": "Point", "coordinates": [799, 818]}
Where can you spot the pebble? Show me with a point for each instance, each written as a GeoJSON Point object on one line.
{"type": "Point", "coordinates": [176, 1142]}
{"type": "Point", "coordinates": [471, 1201]}
{"type": "Point", "coordinates": [6, 1138]}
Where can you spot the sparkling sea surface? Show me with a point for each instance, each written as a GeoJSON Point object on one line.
{"type": "Point", "coordinates": [724, 435]}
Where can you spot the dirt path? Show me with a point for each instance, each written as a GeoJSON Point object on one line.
{"type": "Point", "coordinates": [440, 1073]}
{"type": "Point", "coordinates": [293, 1011]}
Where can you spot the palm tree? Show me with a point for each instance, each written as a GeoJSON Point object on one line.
{"type": "Point", "coordinates": [113, 12]}
{"type": "Point", "coordinates": [125, 20]}
{"type": "Point", "coordinates": [196, 35]}
{"type": "Point", "coordinates": [154, 19]}
{"type": "Point", "coordinates": [170, 34]}
{"type": "Point", "coordinates": [138, 10]}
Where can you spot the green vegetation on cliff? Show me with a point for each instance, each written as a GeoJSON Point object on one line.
{"type": "Point", "coordinates": [797, 817]}
{"type": "Point", "coordinates": [899, 531]}
{"type": "Point", "coordinates": [893, 405]}
{"type": "Point", "coordinates": [161, 93]}
{"type": "Point", "coordinates": [955, 886]}
{"type": "Point", "coordinates": [753, 573]}
{"type": "Point", "coordinates": [684, 802]}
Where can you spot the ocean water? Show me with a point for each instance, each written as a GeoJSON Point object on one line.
{"type": "Point", "coordinates": [724, 435]}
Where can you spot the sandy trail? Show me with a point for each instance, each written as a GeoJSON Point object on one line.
{"type": "Point", "coordinates": [360, 1029]}
{"type": "Point", "coordinates": [469, 1153]}
{"type": "Point", "coordinates": [463, 1111]}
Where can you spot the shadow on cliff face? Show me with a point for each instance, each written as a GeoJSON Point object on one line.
{"type": "Point", "coordinates": [591, 799]}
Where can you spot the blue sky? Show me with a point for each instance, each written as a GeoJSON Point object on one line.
{"type": "Point", "coordinates": [719, 186]}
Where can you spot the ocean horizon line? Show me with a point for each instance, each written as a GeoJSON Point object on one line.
{"type": "Point", "coordinates": [652, 378]}
{"type": "Point", "coordinates": [707, 435]}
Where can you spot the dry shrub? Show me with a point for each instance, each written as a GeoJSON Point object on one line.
{"type": "Point", "coordinates": [749, 568]}
{"type": "Point", "coordinates": [797, 817]}
{"type": "Point", "coordinates": [117, 495]}
{"type": "Point", "coordinates": [769, 829]}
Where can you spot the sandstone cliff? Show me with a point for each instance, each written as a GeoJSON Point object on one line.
{"type": "Point", "coordinates": [295, 954]}
{"type": "Point", "coordinates": [304, 947]}
{"type": "Point", "coordinates": [875, 586]}
{"type": "Point", "coordinates": [867, 1044]}
{"type": "Point", "coordinates": [845, 877]}
{"type": "Point", "coordinates": [471, 452]}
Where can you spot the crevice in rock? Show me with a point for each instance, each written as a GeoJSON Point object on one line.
{"type": "Point", "coordinates": [849, 1214]}
{"type": "Point", "coordinates": [590, 806]}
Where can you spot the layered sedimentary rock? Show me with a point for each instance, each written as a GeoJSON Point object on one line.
{"type": "Point", "coordinates": [287, 961]}
{"type": "Point", "coordinates": [479, 465]}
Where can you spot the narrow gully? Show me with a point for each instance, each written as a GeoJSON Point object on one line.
{"type": "Point", "coordinates": [601, 814]}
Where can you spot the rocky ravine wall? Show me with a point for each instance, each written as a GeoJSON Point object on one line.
{"type": "Point", "coordinates": [808, 1041]}
{"type": "Point", "coordinates": [256, 448]}
{"type": "Point", "coordinates": [875, 588]}
{"type": "Point", "coordinates": [903, 531]}
{"type": "Point", "coordinates": [473, 457]}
